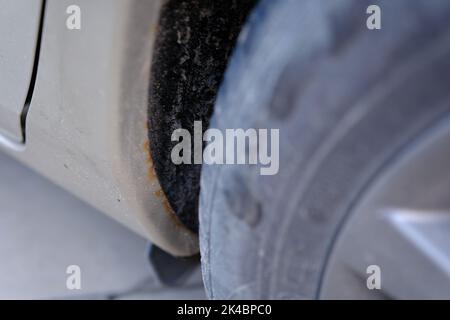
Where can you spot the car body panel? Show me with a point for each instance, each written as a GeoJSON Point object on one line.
{"type": "Point", "coordinates": [19, 28]}
{"type": "Point", "coordinates": [87, 122]}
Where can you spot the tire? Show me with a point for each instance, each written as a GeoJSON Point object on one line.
{"type": "Point", "coordinates": [347, 100]}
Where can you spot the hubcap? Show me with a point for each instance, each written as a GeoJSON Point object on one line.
{"type": "Point", "coordinates": [400, 227]}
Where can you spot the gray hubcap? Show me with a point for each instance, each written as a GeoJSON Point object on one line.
{"type": "Point", "coordinates": [402, 226]}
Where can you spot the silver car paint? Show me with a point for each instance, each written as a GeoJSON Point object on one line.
{"type": "Point", "coordinates": [87, 123]}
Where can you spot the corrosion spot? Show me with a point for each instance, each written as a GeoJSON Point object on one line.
{"type": "Point", "coordinates": [151, 174]}
{"type": "Point", "coordinates": [160, 193]}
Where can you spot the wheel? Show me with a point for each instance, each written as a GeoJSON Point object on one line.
{"type": "Point", "coordinates": [350, 104]}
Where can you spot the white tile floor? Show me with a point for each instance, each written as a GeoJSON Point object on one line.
{"type": "Point", "coordinates": [43, 229]}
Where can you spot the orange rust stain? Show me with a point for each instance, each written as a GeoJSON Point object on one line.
{"type": "Point", "coordinates": [161, 196]}
{"type": "Point", "coordinates": [151, 174]}
{"type": "Point", "coordinates": [160, 193]}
